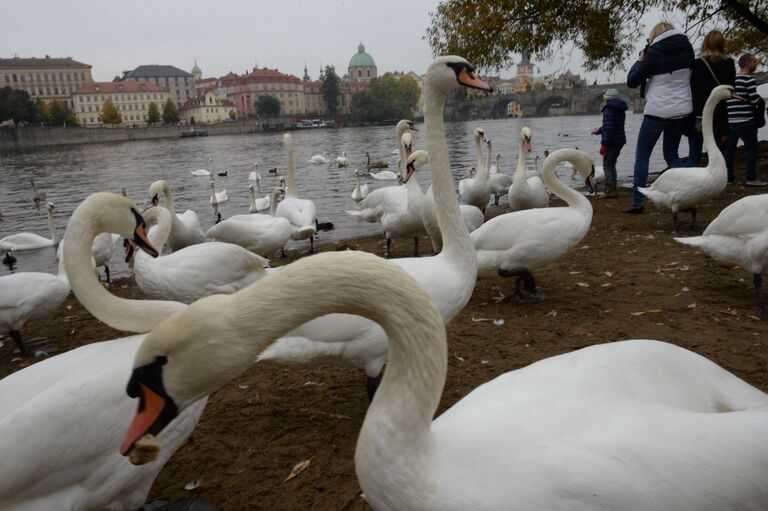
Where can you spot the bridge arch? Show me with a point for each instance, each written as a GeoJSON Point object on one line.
{"type": "Point", "coordinates": [553, 102]}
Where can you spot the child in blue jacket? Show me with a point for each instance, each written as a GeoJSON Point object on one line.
{"type": "Point", "coordinates": [613, 137]}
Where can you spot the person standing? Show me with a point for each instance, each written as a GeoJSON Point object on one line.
{"type": "Point", "coordinates": [711, 69]}
{"type": "Point", "coordinates": [663, 73]}
{"type": "Point", "coordinates": [741, 120]}
{"type": "Point", "coordinates": [613, 137]}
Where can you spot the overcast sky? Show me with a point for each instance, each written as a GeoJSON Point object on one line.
{"type": "Point", "coordinates": [232, 35]}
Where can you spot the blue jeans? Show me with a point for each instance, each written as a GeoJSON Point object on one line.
{"type": "Point", "coordinates": [649, 134]}
{"type": "Point", "coordinates": [747, 131]}
{"type": "Point", "coordinates": [609, 161]}
{"type": "Point", "coordinates": [695, 146]}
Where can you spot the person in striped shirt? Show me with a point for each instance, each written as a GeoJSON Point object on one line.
{"type": "Point", "coordinates": [741, 123]}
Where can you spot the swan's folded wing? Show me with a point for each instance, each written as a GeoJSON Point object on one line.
{"type": "Point", "coordinates": [746, 216]}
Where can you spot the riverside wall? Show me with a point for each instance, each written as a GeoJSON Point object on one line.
{"type": "Point", "coordinates": [33, 137]}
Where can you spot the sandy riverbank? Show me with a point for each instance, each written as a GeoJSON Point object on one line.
{"type": "Point", "coordinates": [627, 279]}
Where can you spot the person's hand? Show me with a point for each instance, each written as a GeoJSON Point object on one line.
{"type": "Point", "coordinates": [603, 148]}
{"type": "Point", "coordinates": [596, 131]}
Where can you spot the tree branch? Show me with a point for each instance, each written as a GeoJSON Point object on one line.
{"type": "Point", "coordinates": [743, 11]}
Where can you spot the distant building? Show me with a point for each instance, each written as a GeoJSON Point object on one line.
{"type": "Point", "coordinates": [288, 89]}
{"type": "Point", "coordinates": [45, 78]}
{"type": "Point", "coordinates": [131, 98]}
{"type": "Point", "coordinates": [197, 72]}
{"type": "Point", "coordinates": [362, 67]}
{"type": "Point", "coordinates": [207, 108]}
{"type": "Point", "coordinates": [180, 84]}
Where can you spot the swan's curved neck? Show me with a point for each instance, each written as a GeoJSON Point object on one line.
{"type": "Point", "coordinates": [253, 198]}
{"type": "Point", "coordinates": [481, 171]}
{"type": "Point", "coordinates": [54, 234]}
{"type": "Point", "coordinates": [357, 185]}
{"type": "Point", "coordinates": [161, 232]}
{"type": "Point", "coordinates": [169, 199]}
{"type": "Point", "coordinates": [401, 413]}
{"type": "Point", "coordinates": [127, 315]}
{"type": "Point", "coordinates": [565, 192]}
{"type": "Point", "coordinates": [456, 241]}
{"type": "Point", "coordinates": [290, 189]}
{"type": "Point", "coordinates": [273, 205]}
{"type": "Point", "coordinates": [520, 170]}
{"type": "Point", "coordinates": [715, 157]}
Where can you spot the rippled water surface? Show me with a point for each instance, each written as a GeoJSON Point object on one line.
{"type": "Point", "coordinates": [70, 174]}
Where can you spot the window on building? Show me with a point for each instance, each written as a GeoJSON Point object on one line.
{"type": "Point", "coordinates": [45, 76]}
{"type": "Point", "coordinates": [369, 73]}
{"type": "Point", "coordinates": [82, 109]}
{"type": "Point", "coordinates": [7, 80]}
{"type": "Point", "coordinates": [166, 81]}
{"type": "Point", "coordinates": [81, 99]}
{"type": "Point", "coordinates": [90, 108]}
{"type": "Point", "coordinates": [61, 77]}
{"type": "Point", "coordinates": [82, 77]}
{"type": "Point", "coordinates": [359, 73]}
{"type": "Point", "coordinates": [55, 90]}
{"type": "Point", "coordinates": [69, 77]}
{"type": "Point", "coordinates": [48, 91]}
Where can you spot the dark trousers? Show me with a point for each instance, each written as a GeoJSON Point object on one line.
{"type": "Point", "coordinates": [747, 131]}
{"type": "Point", "coordinates": [650, 131]}
{"type": "Point", "coordinates": [609, 161]}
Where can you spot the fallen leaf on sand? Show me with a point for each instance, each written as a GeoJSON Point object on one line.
{"type": "Point", "coordinates": [582, 284]}
{"type": "Point", "coordinates": [752, 316]}
{"type": "Point", "coordinates": [637, 313]}
{"type": "Point", "coordinates": [500, 298]}
{"type": "Point", "coordinates": [655, 311]}
{"type": "Point", "coordinates": [607, 284]}
{"type": "Point", "coordinates": [608, 274]}
{"type": "Point", "coordinates": [574, 272]}
{"type": "Point", "coordinates": [479, 320]}
{"type": "Point", "coordinates": [192, 485]}
{"type": "Point", "coordinates": [498, 322]}
{"type": "Point", "coordinates": [729, 312]}
{"type": "Point", "coordinates": [692, 306]}
{"type": "Point", "coordinates": [552, 313]}
{"type": "Point", "coordinates": [459, 358]}
{"type": "Point", "coordinates": [298, 469]}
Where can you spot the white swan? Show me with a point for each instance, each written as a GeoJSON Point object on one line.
{"type": "Point", "coordinates": [29, 240]}
{"type": "Point", "coordinates": [196, 271]}
{"type": "Point", "coordinates": [360, 192]}
{"type": "Point", "coordinates": [185, 230]}
{"type": "Point", "coordinates": [635, 425]}
{"type": "Point", "coordinates": [104, 246]}
{"type": "Point", "coordinates": [299, 212]}
{"type": "Point", "coordinates": [260, 234]}
{"type": "Point", "coordinates": [498, 183]}
{"type": "Point", "coordinates": [448, 277]}
{"type": "Point", "coordinates": [342, 161]}
{"type": "Point", "coordinates": [59, 417]}
{"type": "Point", "coordinates": [400, 210]}
{"type": "Point", "coordinates": [320, 159]}
{"type": "Point", "coordinates": [515, 243]}
{"type": "Point", "coordinates": [739, 236]}
{"type": "Point", "coordinates": [217, 198]}
{"type": "Point", "coordinates": [29, 295]}
{"type": "Point", "coordinates": [685, 188]}
{"type": "Point", "coordinates": [203, 172]}
{"type": "Point", "coordinates": [384, 175]}
{"type": "Point", "coordinates": [474, 190]}
{"type": "Point", "coordinates": [255, 176]}
{"type": "Point", "coordinates": [260, 204]}
{"type": "Point", "coordinates": [526, 192]}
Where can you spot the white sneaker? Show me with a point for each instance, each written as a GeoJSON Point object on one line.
{"type": "Point", "coordinates": [756, 182]}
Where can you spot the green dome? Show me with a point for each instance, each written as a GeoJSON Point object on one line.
{"type": "Point", "coordinates": [361, 59]}
{"type": "Point", "coordinates": [196, 70]}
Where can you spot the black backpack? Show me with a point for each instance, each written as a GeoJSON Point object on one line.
{"type": "Point", "coordinates": [759, 111]}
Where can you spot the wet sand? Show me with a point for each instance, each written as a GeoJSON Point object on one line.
{"type": "Point", "coordinates": [627, 279]}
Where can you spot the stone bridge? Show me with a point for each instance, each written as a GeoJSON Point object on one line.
{"type": "Point", "coordinates": [579, 100]}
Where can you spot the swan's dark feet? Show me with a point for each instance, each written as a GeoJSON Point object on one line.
{"type": "Point", "coordinates": [495, 200]}
{"type": "Point", "coordinates": [283, 255]}
{"type": "Point", "coordinates": [312, 245]}
{"type": "Point", "coordinates": [16, 336]}
{"type": "Point", "coordinates": [762, 311]}
{"type": "Point", "coordinates": [525, 285]}
{"type": "Point", "coordinates": [388, 254]}
{"type": "Point", "coordinates": [416, 247]}
{"type": "Point", "coordinates": [371, 384]}
{"type": "Point", "coordinates": [762, 306]}
{"type": "Point", "coordinates": [106, 272]}
{"type": "Point", "coordinates": [528, 298]}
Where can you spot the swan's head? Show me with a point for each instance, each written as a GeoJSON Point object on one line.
{"type": "Point", "coordinates": [472, 170]}
{"type": "Point", "coordinates": [582, 163]}
{"type": "Point", "coordinates": [157, 188]}
{"type": "Point", "coordinates": [277, 193]}
{"type": "Point", "coordinates": [51, 207]}
{"type": "Point", "coordinates": [252, 190]}
{"type": "Point", "coordinates": [447, 72]}
{"type": "Point", "coordinates": [282, 181]}
{"type": "Point", "coordinates": [405, 124]}
{"type": "Point", "coordinates": [407, 141]}
{"type": "Point", "coordinates": [479, 135]}
{"type": "Point", "coordinates": [525, 136]}
{"type": "Point", "coordinates": [356, 172]}
{"type": "Point", "coordinates": [288, 141]}
{"type": "Point", "coordinates": [722, 92]}
{"type": "Point", "coordinates": [417, 159]}
{"type": "Point", "coordinates": [110, 212]}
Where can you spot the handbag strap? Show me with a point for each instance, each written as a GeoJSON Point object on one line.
{"type": "Point", "coordinates": [704, 59]}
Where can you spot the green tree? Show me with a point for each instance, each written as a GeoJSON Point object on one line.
{"type": "Point", "coordinates": [330, 90]}
{"type": "Point", "coordinates": [60, 113]}
{"type": "Point", "coordinates": [487, 33]}
{"type": "Point", "coordinates": [267, 106]}
{"type": "Point", "coordinates": [153, 114]}
{"type": "Point", "coordinates": [42, 112]}
{"type": "Point", "coordinates": [109, 113]}
{"type": "Point", "coordinates": [170, 112]}
{"type": "Point", "coordinates": [16, 105]}
{"type": "Point", "coordinates": [387, 98]}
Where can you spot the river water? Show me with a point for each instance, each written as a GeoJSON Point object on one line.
{"type": "Point", "coordinates": [70, 174]}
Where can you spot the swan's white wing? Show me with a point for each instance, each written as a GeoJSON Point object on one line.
{"type": "Point", "coordinates": [261, 234]}
{"type": "Point", "coordinates": [746, 216]}
{"type": "Point", "coordinates": [299, 212]}
{"type": "Point", "coordinates": [104, 246]}
{"type": "Point", "coordinates": [24, 241]}
{"type": "Point", "coordinates": [28, 294]}
{"type": "Point", "coordinates": [60, 422]}
{"type": "Point", "coordinates": [608, 427]}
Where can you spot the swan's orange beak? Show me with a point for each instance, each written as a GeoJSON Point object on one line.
{"type": "Point", "coordinates": [412, 127]}
{"type": "Point", "coordinates": [528, 145]}
{"type": "Point", "coordinates": [150, 407]}
{"type": "Point", "coordinates": [469, 80]}
{"type": "Point", "coordinates": [155, 201]}
{"type": "Point", "coordinates": [140, 238]}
